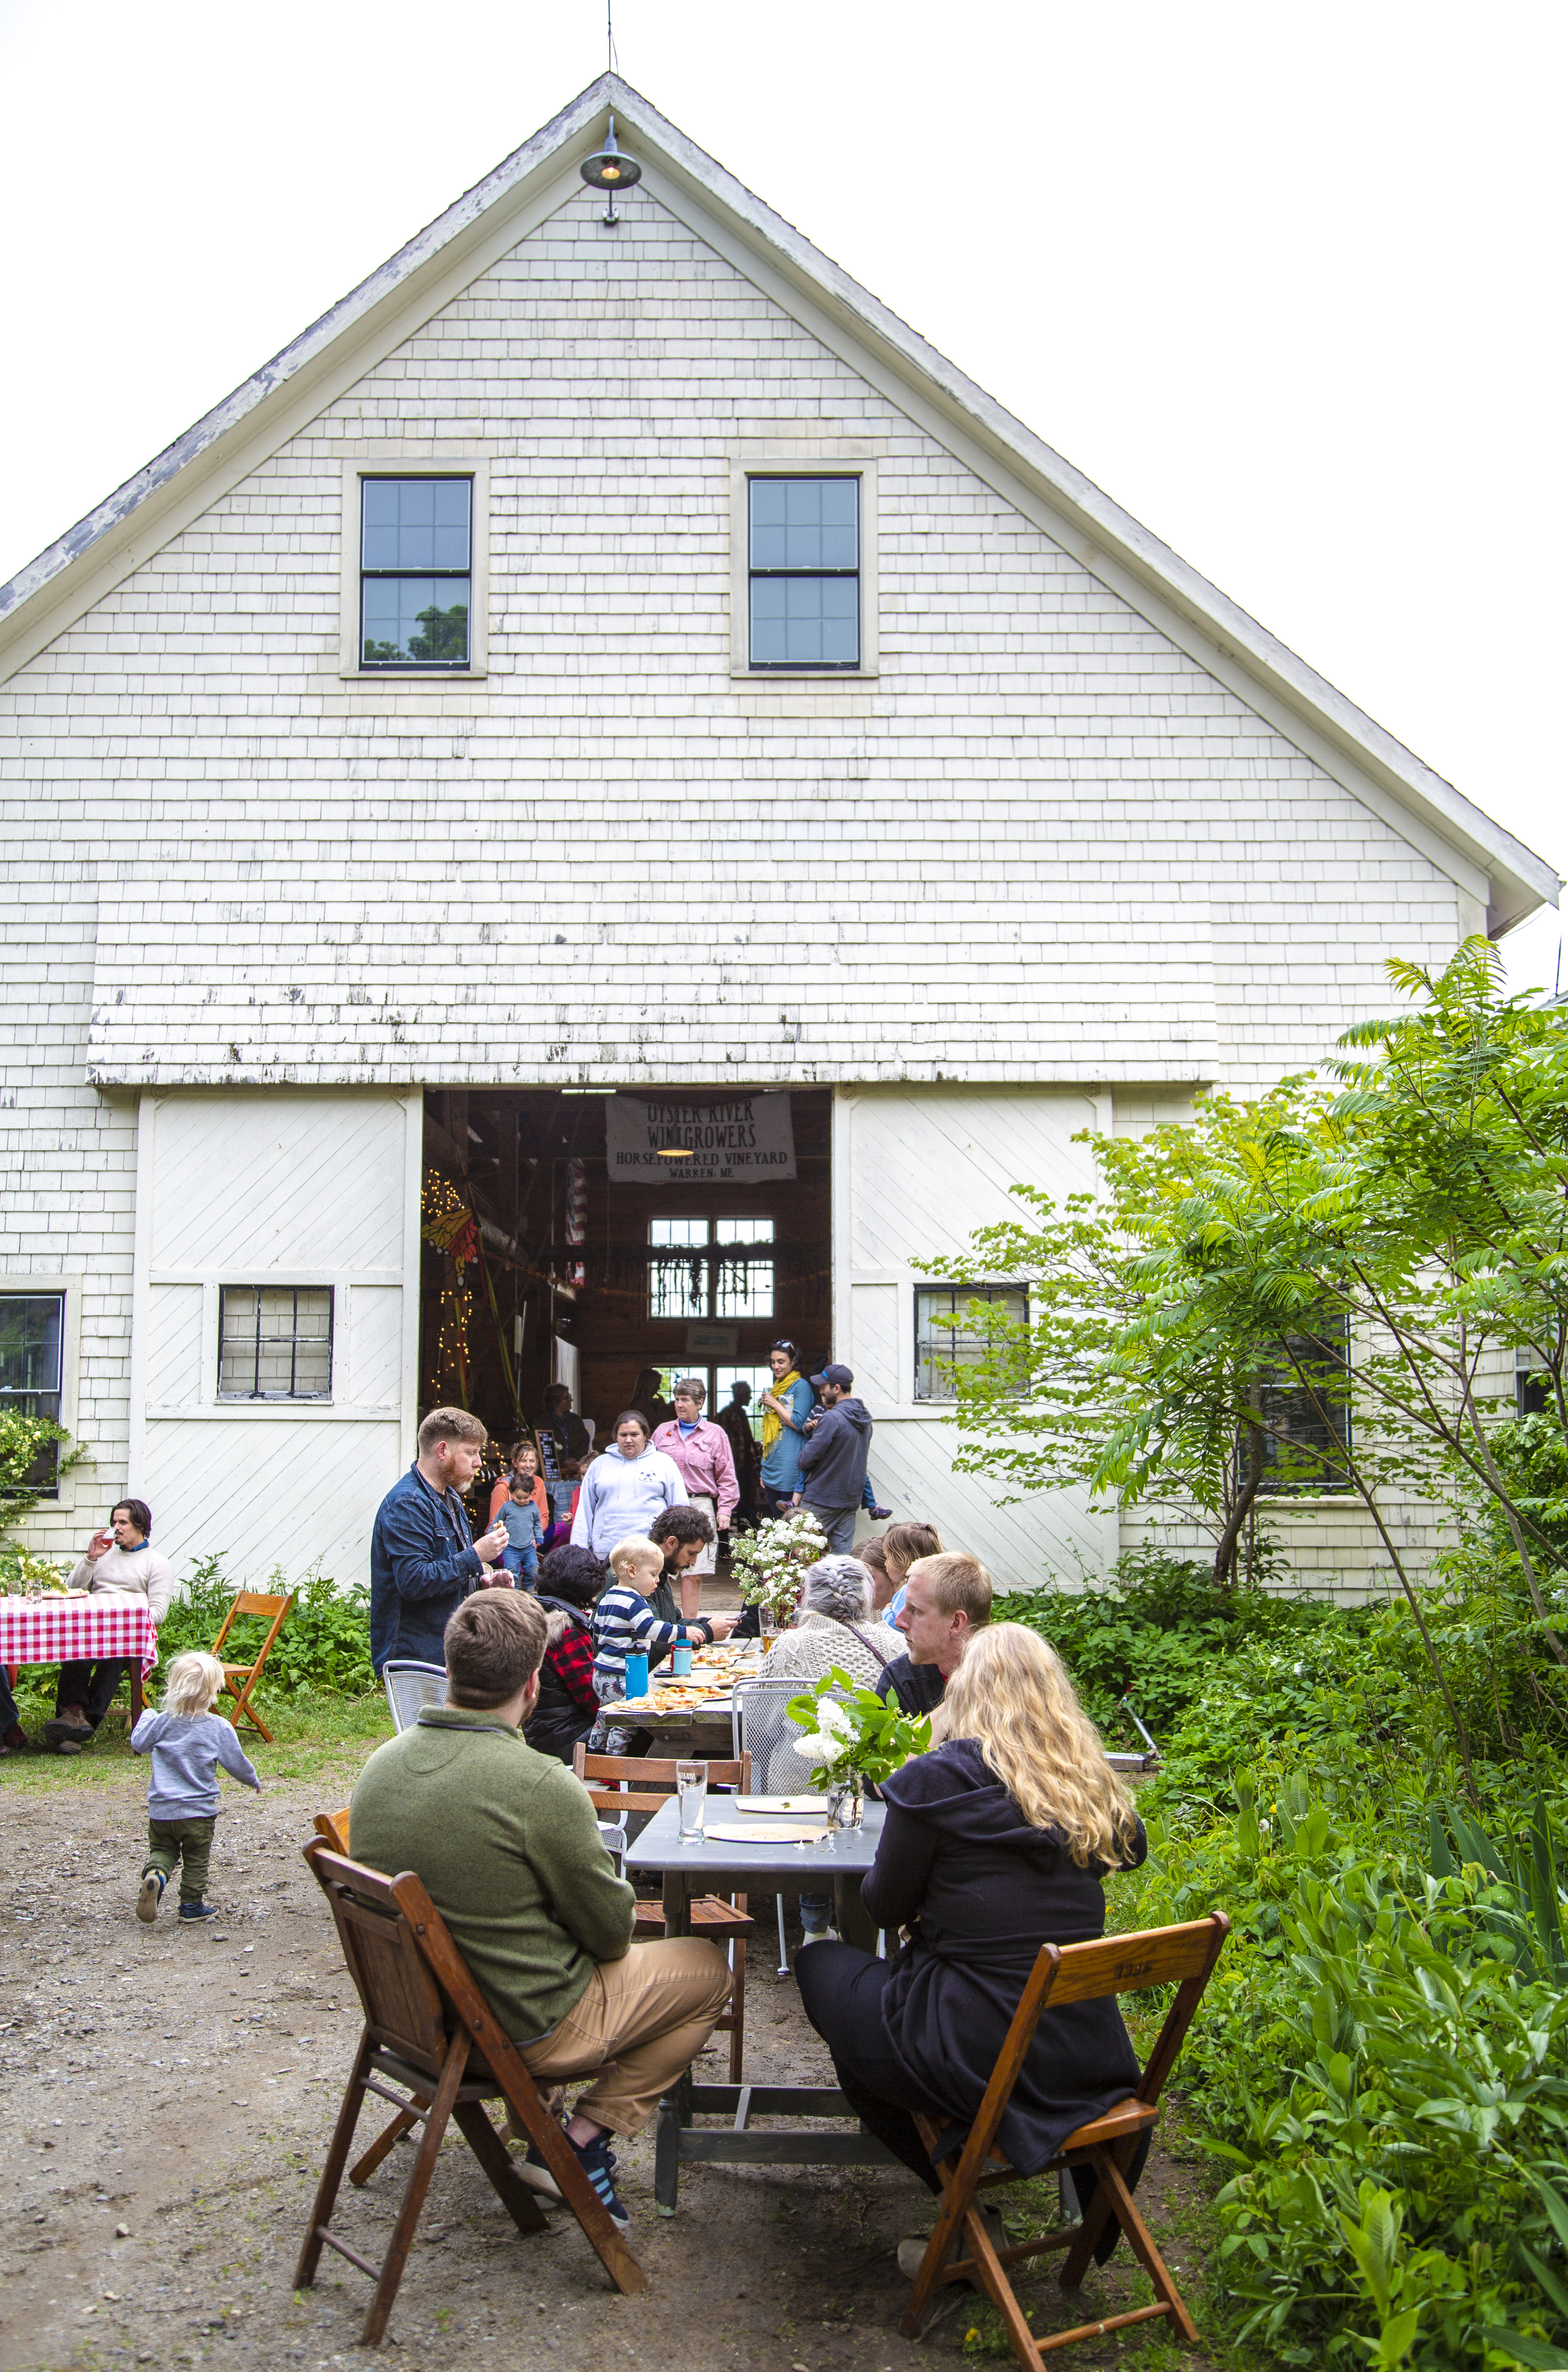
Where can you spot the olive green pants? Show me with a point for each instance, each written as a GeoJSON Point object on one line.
{"type": "Point", "coordinates": [183, 1844]}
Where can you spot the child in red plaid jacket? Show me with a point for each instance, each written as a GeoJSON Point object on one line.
{"type": "Point", "coordinates": [569, 1582]}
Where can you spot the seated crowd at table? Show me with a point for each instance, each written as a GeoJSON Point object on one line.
{"type": "Point", "coordinates": [997, 1839]}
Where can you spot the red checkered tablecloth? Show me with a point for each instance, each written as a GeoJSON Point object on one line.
{"type": "Point", "coordinates": [67, 1630]}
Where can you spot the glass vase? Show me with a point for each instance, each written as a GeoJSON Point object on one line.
{"type": "Point", "coordinates": [846, 1801]}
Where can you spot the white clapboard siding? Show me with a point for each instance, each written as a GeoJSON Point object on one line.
{"type": "Point", "coordinates": [372, 1357]}
{"type": "Point", "coordinates": [288, 1492]}
{"type": "Point", "coordinates": [1052, 1536]}
{"type": "Point", "coordinates": [174, 1345]}
{"type": "Point", "coordinates": [929, 1166]}
{"type": "Point", "coordinates": [256, 1183]}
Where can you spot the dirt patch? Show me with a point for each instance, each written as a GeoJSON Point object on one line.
{"type": "Point", "coordinates": [169, 2096]}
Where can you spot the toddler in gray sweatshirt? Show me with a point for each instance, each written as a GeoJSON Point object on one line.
{"type": "Point", "coordinates": [187, 1741]}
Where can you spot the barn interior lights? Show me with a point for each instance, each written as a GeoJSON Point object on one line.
{"type": "Point", "coordinates": [609, 171]}
{"type": "Point", "coordinates": [675, 1152]}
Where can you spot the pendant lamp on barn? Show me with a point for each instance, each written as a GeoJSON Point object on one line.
{"type": "Point", "coordinates": [609, 171]}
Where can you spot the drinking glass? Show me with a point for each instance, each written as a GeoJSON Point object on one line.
{"type": "Point", "coordinates": [691, 1785]}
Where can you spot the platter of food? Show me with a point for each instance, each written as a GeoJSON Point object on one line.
{"type": "Point", "coordinates": [678, 1697]}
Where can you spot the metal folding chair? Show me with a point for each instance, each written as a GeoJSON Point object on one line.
{"type": "Point", "coordinates": [410, 1685]}
{"type": "Point", "coordinates": [761, 1727]}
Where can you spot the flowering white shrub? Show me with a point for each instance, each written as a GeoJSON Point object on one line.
{"type": "Point", "coordinates": [767, 1563]}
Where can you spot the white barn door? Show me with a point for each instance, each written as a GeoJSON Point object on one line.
{"type": "Point", "coordinates": [915, 1171]}
{"type": "Point", "coordinates": [240, 1191]}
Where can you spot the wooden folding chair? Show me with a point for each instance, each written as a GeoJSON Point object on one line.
{"type": "Point", "coordinates": [427, 2027]}
{"type": "Point", "coordinates": [239, 1680]}
{"type": "Point", "coordinates": [1117, 1964]}
{"type": "Point", "coordinates": [642, 1783]}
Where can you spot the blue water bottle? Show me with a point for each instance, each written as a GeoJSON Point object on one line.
{"type": "Point", "coordinates": [680, 1663]}
{"type": "Point", "coordinates": [637, 1673]}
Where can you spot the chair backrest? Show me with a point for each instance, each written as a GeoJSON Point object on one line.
{"type": "Point", "coordinates": [411, 1685]}
{"type": "Point", "coordinates": [334, 1826]}
{"type": "Point", "coordinates": [637, 1783]}
{"type": "Point", "coordinates": [762, 1729]}
{"type": "Point", "coordinates": [255, 1603]}
{"type": "Point", "coordinates": [402, 2003]}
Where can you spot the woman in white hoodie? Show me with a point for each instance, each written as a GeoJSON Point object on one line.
{"type": "Point", "coordinates": [119, 1561]}
{"type": "Point", "coordinates": [625, 1489]}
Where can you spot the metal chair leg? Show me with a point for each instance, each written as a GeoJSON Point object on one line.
{"type": "Point", "coordinates": [783, 1948]}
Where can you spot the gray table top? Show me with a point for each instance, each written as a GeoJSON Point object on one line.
{"type": "Point", "coordinates": [844, 1853]}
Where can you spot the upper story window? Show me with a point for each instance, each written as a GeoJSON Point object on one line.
{"type": "Point", "coordinates": [416, 571]}
{"type": "Point", "coordinates": [688, 1277]}
{"type": "Point", "coordinates": [803, 559]}
{"type": "Point", "coordinates": [944, 1343]}
{"type": "Point", "coordinates": [31, 1331]}
{"type": "Point", "coordinates": [275, 1343]}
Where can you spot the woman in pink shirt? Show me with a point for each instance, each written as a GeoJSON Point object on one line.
{"type": "Point", "coordinates": [702, 1454]}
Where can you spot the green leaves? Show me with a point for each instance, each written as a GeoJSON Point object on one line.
{"type": "Point", "coordinates": [851, 1730]}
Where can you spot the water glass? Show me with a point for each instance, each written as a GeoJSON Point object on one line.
{"type": "Point", "coordinates": [692, 1786]}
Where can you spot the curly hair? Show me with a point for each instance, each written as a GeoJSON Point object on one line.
{"type": "Point", "coordinates": [573, 1574]}
{"type": "Point", "coordinates": [1012, 1695]}
{"type": "Point", "coordinates": [683, 1524]}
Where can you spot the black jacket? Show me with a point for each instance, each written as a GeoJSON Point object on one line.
{"type": "Point", "coordinates": [981, 1891]}
{"type": "Point", "coordinates": [834, 1456]}
{"type": "Point", "coordinates": [918, 1688]}
{"type": "Point", "coordinates": [558, 1721]}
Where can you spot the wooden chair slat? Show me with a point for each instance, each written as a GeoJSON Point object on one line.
{"type": "Point", "coordinates": [239, 1680]}
{"type": "Point", "coordinates": [428, 2025]}
{"type": "Point", "coordinates": [1115, 1964]}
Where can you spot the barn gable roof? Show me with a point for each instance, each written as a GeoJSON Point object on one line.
{"type": "Point", "coordinates": [290, 391]}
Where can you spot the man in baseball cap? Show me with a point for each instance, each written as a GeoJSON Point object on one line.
{"type": "Point", "coordinates": [832, 1458]}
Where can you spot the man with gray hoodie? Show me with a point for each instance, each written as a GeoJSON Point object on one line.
{"type": "Point", "coordinates": [833, 1456]}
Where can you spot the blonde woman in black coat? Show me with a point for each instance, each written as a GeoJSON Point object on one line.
{"type": "Point", "coordinates": [998, 1841]}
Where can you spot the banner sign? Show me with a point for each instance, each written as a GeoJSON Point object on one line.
{"type": "Point", "coordinates": [734, 1141]}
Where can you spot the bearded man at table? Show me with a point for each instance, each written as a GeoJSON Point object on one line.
{"type": "Point", "coordinates": [505, 1839]}
{"type": "Point", "coordinates": [120, 1561]}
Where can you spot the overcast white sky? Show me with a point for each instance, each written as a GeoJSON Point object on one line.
{"type": "Point", "coordinates": [1286, 281]}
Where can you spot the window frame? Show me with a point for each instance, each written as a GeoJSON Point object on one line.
{"type": "Point", "coordinates": [412, 461]}
{"type": "Point", "coordinates": [46, 1289]}
{"type": "Point", "coordinates": [835, 457]}
{"type": "Point", "coordinates": [67, 1286]}
{"type": "Point", "coordinates": [277, 1400]}
{"type": "Point", "coordinates": [711, 1257]}
{"type": "Point", "coordinates": [990, 1289]}
{"type": "Point", "coordinates": [1286, 1490]}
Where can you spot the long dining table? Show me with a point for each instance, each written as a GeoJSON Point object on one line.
{"type": "Point", "coordinates": [834, 1863]}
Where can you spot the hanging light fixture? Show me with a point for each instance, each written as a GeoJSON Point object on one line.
{"type": "Point", "coordinates": [674, 1152]}
{"type": "Point", "coordinates": [609, 171]}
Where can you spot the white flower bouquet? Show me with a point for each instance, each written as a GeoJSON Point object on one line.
{"type": "Point", "coordinates": [768, 1563]}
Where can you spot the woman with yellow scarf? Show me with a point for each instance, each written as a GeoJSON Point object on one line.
{"type": "Point", "coordinates": [785, 1411]}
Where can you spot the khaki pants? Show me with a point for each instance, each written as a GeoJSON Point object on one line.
{"type": "Point", "coordinates": [639, 2025]}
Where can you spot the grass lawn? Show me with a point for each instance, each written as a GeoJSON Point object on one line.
{"type": "Point", "coordinates": [313, 1732]}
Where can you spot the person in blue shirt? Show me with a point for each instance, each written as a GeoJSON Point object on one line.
{"type": "Point", "coordinates": [518, 1514]}
{"type": "Point", "coordinates": [784, 1410]}
{"type": "Point", "coordinates": [423, 1559]}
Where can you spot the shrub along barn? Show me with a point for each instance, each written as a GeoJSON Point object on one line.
{"type": "Point", "coordinates": [606, 681]}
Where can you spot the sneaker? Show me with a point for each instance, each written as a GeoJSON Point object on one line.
{"type": "Point", "coordinates": [597, 2162]}
{"type": "Point", "coordinates": [71, 1724]}
{"type": "Point", "coordinates": [150, 1896]}
{"type": "Point", "coordinates": [197, 1910]}
{"type": "Point", "coordinates": [911, 2253]}
{"type": "Point", "coordinates": [881, 1514]}
{"type": "Point", "coordinates": [532, 2169]}
{"type": "Point", "coordinates": [818, 1936]}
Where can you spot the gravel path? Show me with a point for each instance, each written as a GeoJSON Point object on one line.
{"type": "Point", "coordinates": [169, 2097]}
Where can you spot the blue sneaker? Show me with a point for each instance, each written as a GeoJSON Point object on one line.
{"type": "Point", "coordinates": [197, 1910]}
{"type": "Point", "coordinates": [597, 2162]}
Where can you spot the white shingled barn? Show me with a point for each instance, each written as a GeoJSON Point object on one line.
{"type": "Point", "coordinates": [626, 657]}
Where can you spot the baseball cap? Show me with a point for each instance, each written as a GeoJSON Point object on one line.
{"type": "Point", "coordinates": [841, 1376]}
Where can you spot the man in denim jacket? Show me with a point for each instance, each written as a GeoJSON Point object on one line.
{"type": "Point", "coordinates": [423, 1560]}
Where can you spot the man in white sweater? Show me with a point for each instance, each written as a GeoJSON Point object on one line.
{"type": "Point", "coordinates": [119, 1560]}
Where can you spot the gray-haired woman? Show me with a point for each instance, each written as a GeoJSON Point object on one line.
{"type": "Point", "coordinates": [835, 1626]}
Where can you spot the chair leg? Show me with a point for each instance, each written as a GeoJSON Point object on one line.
{"type": "Point", "coordinates": [991, 2272]}
{"type": "Point", "coordinates": [576, 2191]}
{"type": "Point", "coordinates": [738, 2007]}
{"type": "Point", "coordinates": [1143, 2244]}
{"type": "Point", "coordinates": [1075, 2264]}
{"type": "Point", "coordinates": [487, 2146]}
{"type": "Point", "coordinates": [783, 1948]}
{"type": "Point", "coordinates": [404, 2122]}
{"type": "Point", "coordinates": [333, 2172]}
{"type": "Point", "coordinates": [949, 2222]}
{"type": "Point", "coordinates": [242, 1705]}
{"type": "Point", "coordinates": [396, 2258]}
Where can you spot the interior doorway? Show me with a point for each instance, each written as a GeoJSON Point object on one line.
{"type": "Point", "coordinates": [555, 1252]}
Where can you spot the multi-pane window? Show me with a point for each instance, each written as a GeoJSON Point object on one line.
{"type": "Point", "coordinates": [275, 1343]}
{"type": "Point", "coordinates": [940, 1346]}
{"type": "Point", "coordinates": [31, 1327]}
{"type": "Point", "coordinates": [803, 558]}
{"type": "Point", "coordinates": [691, 1277]}
{"type": "Point", "coordinates": [724, 1380]}
{"type": "Point", "coordinates": [1532, 1384]}
{"type": "Point", "coordinates": [1305, 1407]}
{"type": "Point", "coordinates": [415, 564]}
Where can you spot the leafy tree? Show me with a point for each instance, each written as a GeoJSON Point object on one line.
{"type": "Point", "coordinates": [32, 1457]}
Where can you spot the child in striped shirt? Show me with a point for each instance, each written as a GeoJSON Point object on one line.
{"type": "Point", "coordinates": [624, 1623]}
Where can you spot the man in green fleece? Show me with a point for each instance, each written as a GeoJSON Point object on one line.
{"type": "Point", "coordinates": [505, 1839]}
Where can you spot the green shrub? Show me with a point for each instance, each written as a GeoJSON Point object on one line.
{"type": "Point", "coordinates": [324, 1643]}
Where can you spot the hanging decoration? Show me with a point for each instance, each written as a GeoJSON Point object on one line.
{"type": "Point", "coordinates": [449, 1225]}
{"type": "Point", "coordinates": [576, 1219]}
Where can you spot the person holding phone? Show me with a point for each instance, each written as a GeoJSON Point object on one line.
{"type": "Point", "coordinates": [119, 1560]}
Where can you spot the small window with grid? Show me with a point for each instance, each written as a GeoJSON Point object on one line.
{"type": "Point", "coordinates": [690, 1276]}
{"type": "Point", "coordinates": [275, 1343]}
{"type": "Point", "coordinates": [416, 571]}
{"type": "Point", "coordinates": [1304, 1405]}
{"type": "Point", "coordinates": [944, 1342]}
{"type": "Point", "coordinates": [33, 1328]}
{"type": "Point", "coordinates": [803, 555]}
